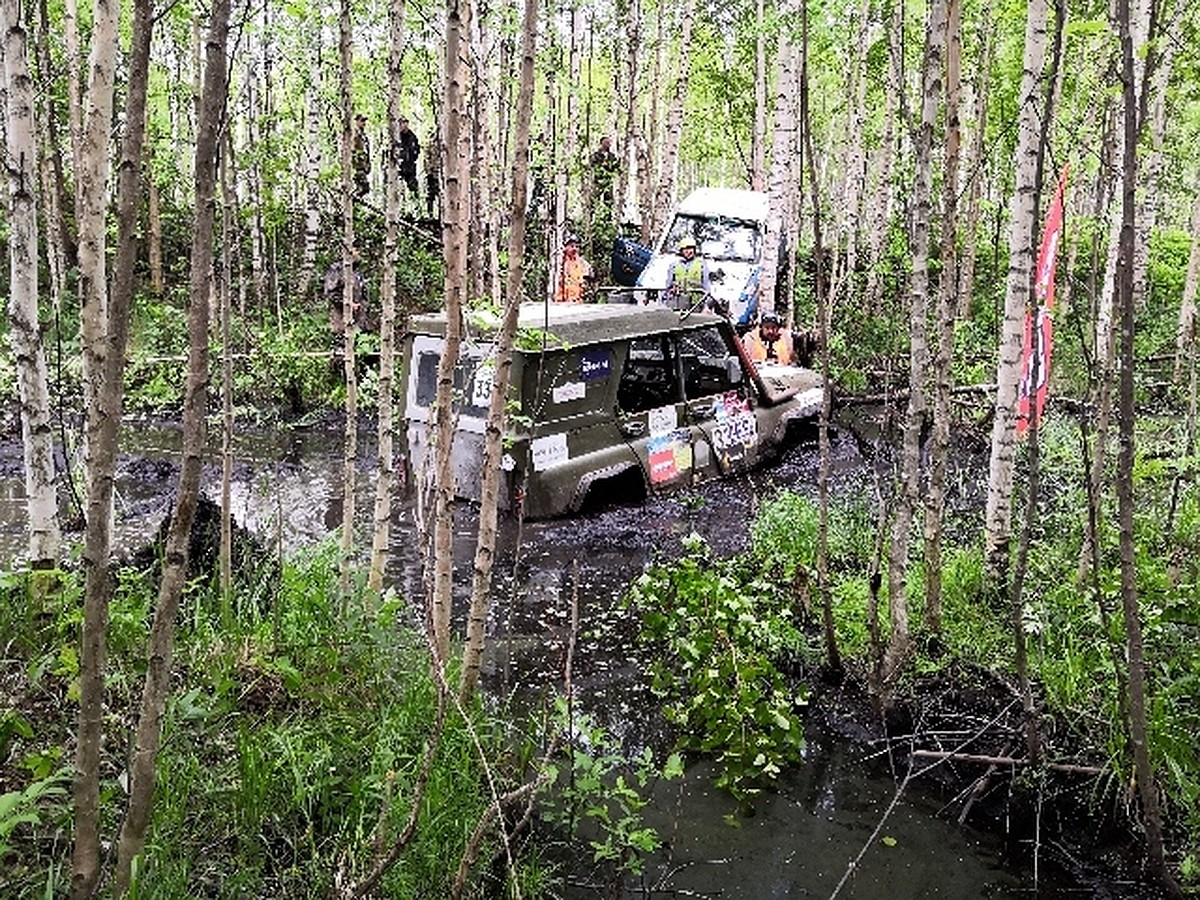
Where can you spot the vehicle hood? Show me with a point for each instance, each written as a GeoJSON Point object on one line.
{"type": "Point", "coordinates": [734, 284]}
{"type": "Point", "coordinates": [780, 383]}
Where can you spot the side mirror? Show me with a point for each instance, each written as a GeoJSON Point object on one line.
{"type": "Point", "coordinates": [733, 370]}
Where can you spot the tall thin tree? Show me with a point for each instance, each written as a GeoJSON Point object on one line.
{"type": "Point", "coordinates": [493, 449]}
{"type": "Point", "coordinates": [195, 403]}
{"type": "Point", "coordinates": [45, 538]}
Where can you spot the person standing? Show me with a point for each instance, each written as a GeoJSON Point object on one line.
{"type": "Point", "coordinates": [769, 342]}
{"type": "Point", "coordinates": [688, 277]}
{"type": "Point", "coordinates": [360, 157]}
{"type": "Point", "coordinates": [410, 149]}
{"type": "Point", "coordinates": [572, 274]}
{"type": "Point", "coordinates": [433, 175]}
{"type": "Point", "coordinates": [605, 166]}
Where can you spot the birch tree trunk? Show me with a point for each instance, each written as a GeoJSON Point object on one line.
{"type": "Point", "coordinates": [55, 197]}
{"type": "Point", "coordinates": [393, 186]}
{"type": "Point", "coordinates": [880, 198]}
{"type": "Point", "coordinates": [493, 450]}
{"type": "Point", "coordinates": [92, 180]}
{"type": "Point", "coordinates": [998, 515]}
{"type": "Point", "coordinates": [898, 648]}
{"type": "Point", "coordinates": [101, 432]}
{"type": "Point", "coordinates": [758, 142]}
{"type": "Point", "coordinates": [310, 164]}
{"type": "Point", "coordinates": [175, 560]}
{"type": "Point", "coordinates": [833, 656]}
{"type": "Point", "coordinates": [1186, 333]}
{"type": "Point", "coordinates": [225, 313]}
{"type": "Point", "coordinates": [669, 170]}
{"type": "Point", "coordinates": [1147, 789]}
{"type": "Point", "coordinates": [454, 248]}
{"type": "Point", "coordinates": [974, 169]}
{"type": "Point", "coordinates": [45, 539]}
{"type": "Point", "coordinates": [350, 276]}
{"type": "Point", "coordinates": [947, 303]}
{"type": "Point", "coordinates": [780, 180]}
{"type": "Point", "coordinates": [634, 50]}
{"type": "Point", "coordinates": [154, 233]}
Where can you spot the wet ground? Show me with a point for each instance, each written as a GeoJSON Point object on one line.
{"type": "Point", "coordinates": [802, 838]}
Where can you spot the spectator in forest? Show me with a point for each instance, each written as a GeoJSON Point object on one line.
{"type": "Point", "coordinates": [433, 174]}
{"type": "Point", "coordinates": [410, 149]}
{"type": "Point", "coordinates": [573, 274]}
{"type": "Point", "coordinates": [605, 166]}
{"type": "Point", "coordinates": [769, 342]}
{"type": "Point", "coordinates": [687, 281]}
{"type": "Point", "coordinates": [335, 296]}
{"type": "Point", "coordinates": [361, 157]}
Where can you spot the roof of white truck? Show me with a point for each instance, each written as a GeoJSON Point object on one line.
{"type": "Point", "coordinates": [741, 204]}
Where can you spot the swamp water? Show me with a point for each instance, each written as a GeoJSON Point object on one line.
{"type": "Point", "coordinates": [802, 837]}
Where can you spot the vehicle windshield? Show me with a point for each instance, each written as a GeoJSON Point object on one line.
{"type": "Point", "coordinates": [719, 237]}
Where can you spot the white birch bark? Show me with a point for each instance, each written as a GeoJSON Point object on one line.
{"type": "Point", "coordinates": [668, 175]}
{"type": "Point", "coordinates": [456, 128]}
{"type": "Point", "coordinates": [780, 177]}
{"type": "Point", "coordinates": [310, 165]}
{"type": "Point", "coordinates": [32, 380]}
{"type": "Point", "coordinates": [758, 143]}
{"type": "Point", "coordinates": [898, 647]}
{"type": "Point", "coordinates": [481, 578]}
{"type": "Point", "coordinates": [386, 476]}
{"type": "Point", "coordinates": [1185, 335]}
{"type": "Point", "coordinates": [350, 329]}
{"type": "Point", "coordinates": [881, 195]}
{"type": "Point", "coordinates": [998, 514]}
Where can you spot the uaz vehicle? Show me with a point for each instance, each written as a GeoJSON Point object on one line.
{"type": "Point", "coordinates": [729, 227]}
{"type": "Point", "coordinates": [605, 401]}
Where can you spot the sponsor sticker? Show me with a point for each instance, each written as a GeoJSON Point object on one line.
{"type": "Point", "coordinates": [670, 456]}
{"type": "Point", "coordinates": [547, 451]}
{"type": "Point", "coordinates": [573, 390]}
{"type": "Point", "coordinates": [596, 363]}
{"type": "Point", "coordinates": [662, 420]}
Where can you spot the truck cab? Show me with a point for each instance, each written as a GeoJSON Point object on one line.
{"type": "Point", "coordinates": [729, 226]}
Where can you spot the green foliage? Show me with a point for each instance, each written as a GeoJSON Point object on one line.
{"type": "Point", "coordinates": [600, 789]}
{"type": "Point", "coordinates": [720, 638]}
{"type": "Point", "coordinates": [27, 806]}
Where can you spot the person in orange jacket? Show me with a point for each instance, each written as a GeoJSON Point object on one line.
{"type": "Point", "coordinates": [573, 274]}
{"type": "Point", "coordinates": [769, 342]}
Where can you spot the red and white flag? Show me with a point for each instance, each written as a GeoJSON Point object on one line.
{"type": "Point", "coordinates": [1039, 340]}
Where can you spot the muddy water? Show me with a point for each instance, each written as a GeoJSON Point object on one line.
{"type": "Point", "coordinates": [286, 489]}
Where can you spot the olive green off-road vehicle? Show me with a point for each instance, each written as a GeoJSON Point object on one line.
{"type": "Point", "coordinates": [606, 401]}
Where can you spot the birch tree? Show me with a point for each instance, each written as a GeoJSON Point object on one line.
{"type": "Point", "coordinates": [104, 350]}
{"type": "Point", "coordinates": [493, 449]}
{"type": "Point", "coordinates": [32, 379]}
{"type": "Point", "coordinates": [394, 188]}
{"type": "Point", "coordinates": [175, 558]}
{"type": "Point", "coordinates": [349, 299]}
{"type": "Point", "coordinates": [1186, 331]}
{"type": "Point", "coordinates": [931, 86]}
{"type": "Point", "coordinates": [668, 172]}
{"type": "Point", "coordinates": [998, 514]}
{"type": "Point", "coordinates": [456, 209]}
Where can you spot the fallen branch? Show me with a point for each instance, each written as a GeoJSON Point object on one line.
{"type": "Point", "coordinates": [981, 759]}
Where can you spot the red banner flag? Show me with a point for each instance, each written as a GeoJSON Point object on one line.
{"type": "Point", "coordinates": [1039, 341]}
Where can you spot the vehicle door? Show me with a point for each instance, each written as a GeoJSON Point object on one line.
{"type": "Point", "coordinates": [653, 417]}
{"type": "Point", "coordinates": [717, 397]}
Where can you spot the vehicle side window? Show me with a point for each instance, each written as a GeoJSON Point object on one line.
{"type": "Point", "coordinates": [703, 354]}
{"type": "Point", "coordinates": [650, 378]}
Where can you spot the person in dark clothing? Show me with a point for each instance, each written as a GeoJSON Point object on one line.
{"type": "Point", "coordinates": [410, 149]}
{"type": "Point", "coordinates": [605, 166]}
{"type": "Point", "coordinates": [361, 157]}
{"type": "Point", "coordinates": [433, 176]}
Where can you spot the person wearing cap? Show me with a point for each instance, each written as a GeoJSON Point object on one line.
{"type": "Point", "coordinates": [572, 274]}
{"type": "Point", "coordinates": [769, 342]}
{"type": "Point", "coordinates": [689, 275]}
